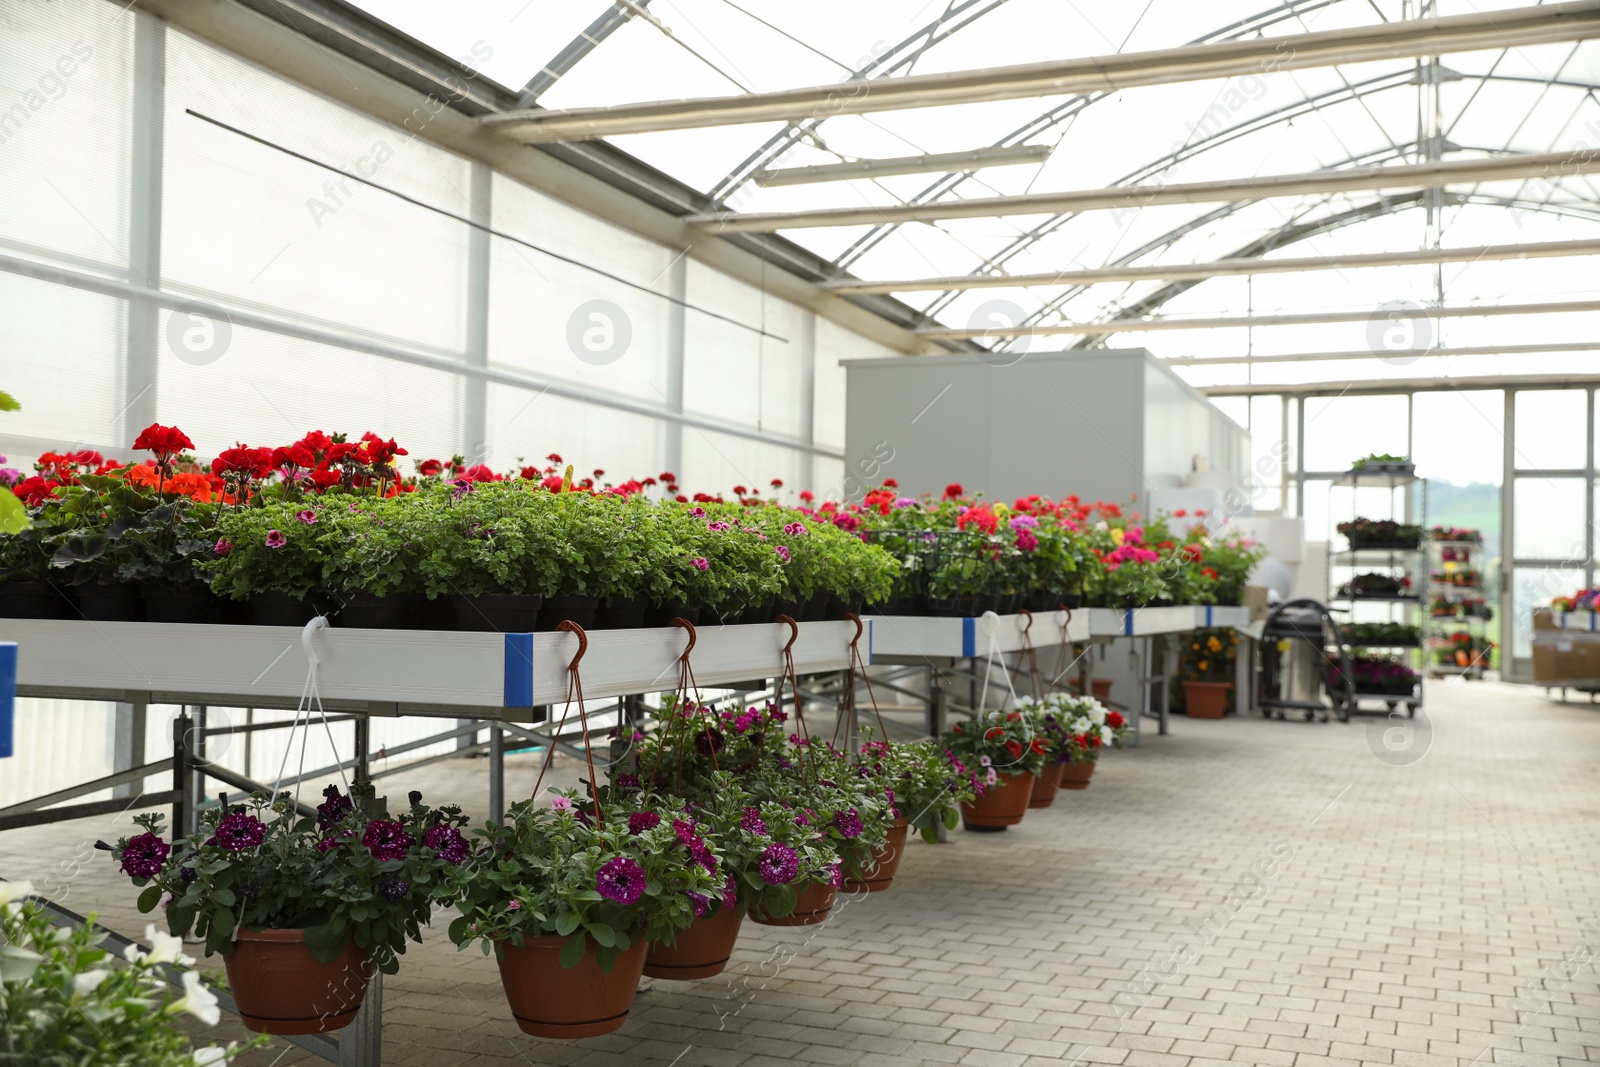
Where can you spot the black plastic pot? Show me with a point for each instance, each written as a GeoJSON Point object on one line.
{"type": "Point", "coordinates": [814, 609]}
{"type": "Point", "coordinates": [512, 613]}
{"type": "Point", "coordinates": [397, 611]}
{"type": "Point", "coordinates": [180, 603]}
{"type": "Point", "coordinates": [279, 609]}
{"type": "Point", "coordinates": [111, 603]}
{"type": "Point", "coordinates": [622, 613]}
{"type": "Point", "coordinates": [557, 609]}
{"type": "Point", "coordinates": [796, 610]}
{"type": "Point", "coordinates": [663, 613]}
{"type": "Point", "coordinates": [898, 605]}
{"type": "Point", "coordinates": [754, 615]}
{"type": "Point", "coordinates": [961, 607]}
{"type": "Point", "coordinates": [36, 600]}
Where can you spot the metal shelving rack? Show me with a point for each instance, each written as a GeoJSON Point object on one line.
{"type": "Point", "coordinates": [1408, 559]}
{"type": "Point", "coordinates": [1436, 627]}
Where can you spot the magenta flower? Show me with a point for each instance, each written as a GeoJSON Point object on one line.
{"type": "Point", "coordinates": [238, 832]}
{"type": "Point", "coordinates": [275, 539]}
{"type": "Point", "coordinates": [701, 904]}
{"type": "Point", "coordinates": [848, 823]}
{"type": "Point", "coordinates": [386, 839]}
{"type": "Point", "coordinates": [332, 810]}
{"type": "Point", "coordinates": [224, 546]}
{"type": "Point", "coordinates": [783, 552]}
{"type": "Point", "coordinates": [779, 864]}
{"type": "Point", "coordinates": [560, 803]}
{"type": "Point", "coordinates": [620, 879]}
{"type": "Point", "coordinates": [640, 821]}
{"type": "Point", "coordinates": [515, 905]}
{"type": "Point", "coordinates": [698, 512]}
{"type": "Point", "coordinates": [700, 563]}
{"type": "Point", "coordinates": [836, 875]}
{"type": "Point", "coordinates": [717, 527]}
{"type": "Point", "coordinates": [144, 856]}
{"type": "Point", "coordinates": [307, 516]}
{"type": "Point", "coordinates": [730, 892]}
{"type": "Point", "coordinates": [447, 843]}
{"type": "Point", "coordinates": [752, 821]}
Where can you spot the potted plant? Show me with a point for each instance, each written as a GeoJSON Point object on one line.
{"type": "Point", "coordinates": [301, 907]}
{"type": "Point", "coordinates": [1003, 750]}
{"type": "Point", "coordinates": [568, 900]}
{"type": "Point", "coordinates": [1090, 728]}
{"type": "Point", "coordinates": [1207, 667]}
{"type": "Point", "coordinates": [1058, 751]}
{"type": "Point", "coordinates": [925, 787]}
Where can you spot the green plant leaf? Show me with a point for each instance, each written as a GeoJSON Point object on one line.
{"type": "Point", "coordinates": [572, 951]}
{"type": "Point", "coordinates": [13, 513]}
{"type": "Point", "coordinates": [149, 899]}
{"type": "Point", "coordinates": [9, 402]}
{"type": "Point", "coordinates": [567, 923]}
{"type": "Point", "coordinates": [603, 935]}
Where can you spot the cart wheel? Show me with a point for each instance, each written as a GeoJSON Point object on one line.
{"type": "Point", "coordinates": [1342, 710]}
{"type": "Point", "coordinates": [1323, 717]}
{"type": "Point", "coordinates": [1411, 711]}
{"type": "Point", "coordinates": [1392, 704]}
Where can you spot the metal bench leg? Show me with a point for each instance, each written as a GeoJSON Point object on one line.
{"type": "Point", "coordinates": [361, 1043]}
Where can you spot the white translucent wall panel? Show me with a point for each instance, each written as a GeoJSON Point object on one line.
{"type": "Point", "coordinates": [719, 462]}
{"type": "Point", "coordinates": [1552, 429]}
{"type": "Point", "coordinates": [264, 229]}
{"type": "Point", "coordinates": [835, 344]}
{"type": "Point", "coordinates": [267, 389]}
{"type": "Point", "coordinates": [751, 366]}
{"type": "Point", "coordinates": [1343, 429]}
{"type": "Point", "coordinates": [66, 86]}
{"type": "Point", "coordinates": [553, 319]}
{"type": "Point", "coordinates": [62, 359]}
{"type": "Point", "coordinates": [525, 426]}
{"type": "Point", "coordinates": [44, 760]}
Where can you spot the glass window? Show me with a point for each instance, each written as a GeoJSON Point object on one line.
{"type": "Point", "coordinates": [1342, 429]}
{"type": "Point", "coordinates": [1552, 429]}
{"type": "Point", "coordinates": [1548, 519]}
{"type": "Point", "coordinates": [1531, 588]}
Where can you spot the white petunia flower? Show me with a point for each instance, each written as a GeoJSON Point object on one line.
{"type": "Point", "coordinates": [197, 1000]}
{"type": "Point", "coordinates": [212, 1054]}
{"type": "Point", "coordinates": [165, 948]}
{"type": "Point", "coordinates": [13, 891]}
{"type": "Point", "coordinates": [1106, 735]}
{"type": "Point", "coordinates": [87, 982]}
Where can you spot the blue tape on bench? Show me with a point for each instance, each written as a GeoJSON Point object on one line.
{"type": "Point", "coordinates": [869, 642]}
{"type": "Point", "coordinates": [1208, 616]}
{"type": "Point", "coordinates": [519, 671]}
{"type": "Point", "coordinates": [1127, 623]}
{"type": "Point", "coordinates": [969, 637]}
{"type": "Point", "coordinates": [8, 695]}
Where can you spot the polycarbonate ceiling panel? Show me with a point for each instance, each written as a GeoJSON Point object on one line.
{"type": "Point", "coordinates": [1527, 99]}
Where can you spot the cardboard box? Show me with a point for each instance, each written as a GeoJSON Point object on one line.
{"type": "Point", "coordinates": [1255, 598]}
{"type": "Point", "coordinates": [1545, 619]}
{"type": "Point", "coordinates": [1565, 657]}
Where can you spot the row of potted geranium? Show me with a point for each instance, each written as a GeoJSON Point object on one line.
{"type": "Point", "coordinates": [329, 524]}
{"type": "Point", "coordinates": [714, 817]}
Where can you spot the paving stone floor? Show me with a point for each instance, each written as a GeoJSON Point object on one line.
{"type": "Point", "coordinates": [1239, 891]}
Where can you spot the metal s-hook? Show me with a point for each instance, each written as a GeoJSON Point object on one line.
{"type": "Point", "coordinates": [685, 624]}
{"type": "Point", "coordinates": [1025, 613]}
{"type": "Point", "coordinates": [861, 627]}
{"type": "Point", "coordinates": [318, 622]}
{"type": "Point", "coordinates": [794, 631]}
{"type": "Point", "coordinates": [568, 626]}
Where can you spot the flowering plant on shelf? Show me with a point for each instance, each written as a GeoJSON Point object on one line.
{"type": "Point", "coordinates": [1582, 600]}
{"type": "Point", "coordinates": [1363, 532]}
{"type": "Point", "coordinates": [65, 1000]}
{"type": "Point", "coordinates": [1374, 584]}
{"type": "Point", "coordinates": [925, 783]}
{"type": "Point", "coordinates": [1077, 728]}
{"type": "Point", "coordinates": [341, 874]}
{"type": "Point", "coordinates": [555, 868]}
{"type": "Point", "coordinates": [1458, 534]}
{"type": "Point", "coordinates": [1382, 675]}
{"type": "Point", "coordinates": [1210, 655]}
{"type": "Point", "coordinates": [996, 743]}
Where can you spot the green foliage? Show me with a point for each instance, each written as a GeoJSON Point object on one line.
{"type": "Point", "coordinates": [1006, 742]}
{"type": "Point", "coordinates": [65, 1002]}
{"type": "Point", "coordinates": [317, 873]}
{"type": "Point", "coordinates": [106, 530]}
{"type": "Point", "coordinates": [923, 782]}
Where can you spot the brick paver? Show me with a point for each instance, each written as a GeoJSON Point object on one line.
{"type": "Point", "coordinates": [1239, 892]}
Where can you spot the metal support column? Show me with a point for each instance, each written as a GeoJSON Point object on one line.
{"type": "Point", "coordinates": [196, 749]}
{"type": "Point", "coordinates": [938, 702]}
{"type": "Point", "coordinates": [497, 772]}
{"type": "Point", "coordinates": [361, 788]}
{"type": "Point", "coordinates": [678, 287]}
{"type": "Point", "coordinates": [1169, 671]}
{"type": "Point", "coordinates": [181, 810]}
{"type": "Point", "coordinates": [127, 745]}
{"type": "Point", "coordinates": [361, 1043]}
{"type": "Point", "coordinates": [148, 112]}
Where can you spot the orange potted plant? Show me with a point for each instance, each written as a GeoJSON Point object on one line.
{"type": "Point", "coordinates": [1207, 668]}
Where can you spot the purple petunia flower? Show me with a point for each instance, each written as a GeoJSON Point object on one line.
{"type": "Point", "coordinates": [836, 875]}
{"type": "Point", "coordinates": [730, 892]}
{"type": "Point", "coordinates": [620, 879]}
{"type": "Point", "coordinates": [393, 889]}
{"type": "Point", "coordinates": [447, 843]}
{"type": "Point", "coordinates": [640, 821]}
{"type": "Point", "coordinates": [627, 781]}
{"type": "Point", "coordinates": [752, 821]}
{"type": "Point", "coordinates": [701, 902]}
{"type": "Point", "coordinates": [187, 874]}
{"type": "Point", "coordinates": [685, 832]}
{"type": "Point", "coordinates": [144, 856]}
{"type": "Point", "coordinates": [333, 810]}
{"type": "Point", "coordinates": [238, 832]}
{"type": "Point", "coordinates": [415, 797]}
{"type": "Point", "coordinates": [848, 823]}
{"type": "Point", "coordinates": [386, 839]}
{"type": "Point", "coordinates": [778, 864]}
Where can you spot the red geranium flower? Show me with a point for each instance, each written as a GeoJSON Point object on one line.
{"type": "Point", "coordinates": [738, 490]}
{"type": "Point", "coordinates": [296, 455]}
{"type": "Point", "coordinates": [34, 491]}
{"type": "Point", "coordinates": [430, 467]}
{"type": "Point", "coordinates": [807, 495]}
{"type": "Point", "coordinates": [890, 483]}
{"type": "Point", "coordinates": [777, 483]}
{"type": "Point", "coordinates": [554, 457]}
{"type": "Point", "coordinates": [164, 441]}
{"type": "Point", "coordinates": [377, 452]}
{"type": "Point", "coordinates": [995, 733]}
{"type": "Point", "coordinates": [1015, 748]}
{"type": "Point", "coordinates": [953, 490]}
{"type": "Point", "coordinates": [255, 462]}
{"type": "Point", "coordinates": [530, 474]}
{"type": "Point", "coordinates": [552, 483]}
{"type": "Point", "coordinates": [668, 477]}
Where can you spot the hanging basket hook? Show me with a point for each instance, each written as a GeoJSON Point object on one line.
{"type": "Point", "coordinates": [861, 627]}
{"type": "Point", "coordinates": [1025, 613]}
{"type": "Point", "coordinates": [794, 631]}
{"type": "Point", "coordinates": [568, 626]}
{"type": "Point", "coordinates": [318, 622]}
{"type": "Point", "coordinates": [685, 624]}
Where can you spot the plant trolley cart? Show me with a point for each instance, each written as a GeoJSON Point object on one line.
{"type": "Point", "coordinates": [1374, 589]}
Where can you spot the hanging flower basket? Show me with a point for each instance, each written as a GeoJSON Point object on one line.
{"type": "Point", "coordinates": [813, 904]}
{"type": "Point", "coordinates": [701, 951]}
{"type": "Point", "coordinates": [1045, 786]}
{"type": "Point", "coordinates": [1003, 803]}
{"type": "Point", "coordinates": [885, 862]}
{"type": "Point", "coordinates": [1077, 775]}
{"type": "Point", "coordinates": [550, 1000]}
{"type": "Point", "coordinates": [281, 988]}
{"type": "Point", "coordinates": [1206, 700]}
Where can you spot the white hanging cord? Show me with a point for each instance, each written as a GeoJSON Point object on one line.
{"type": "Point", "coordinates": [309, 693]}
{"type": "Point", "coordinates": [991, 626]}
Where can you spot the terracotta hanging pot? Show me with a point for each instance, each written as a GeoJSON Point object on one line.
{"type": "Point", "coordinates": [1002, 804]}
{"type": "Point", "coordinates": [700, 951]}
{"type": "Point", "coordinates": [550, 1000]}
{"type": "Point", "coordinates": [1206, 700]}
{"type": "Point", "coordinates": [812, 905]}
{"type": "Point", "coordinates": [885, 862]}
{"type": "Point", "coordinates": [1076, 775]}
{"type": "Point", "coordinates": [281, 988]}
{"type": "Point", "coordinates": [1045, 786]}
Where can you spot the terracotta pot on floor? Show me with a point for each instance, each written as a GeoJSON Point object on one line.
{"type": "Point", "coordinates": [886, 861]}
{"type": "Point", "coordinates": [700, 951]}
{"type": "Point", "coordinates": [550, 1000]}
{"type": "Point", "coordinates": [812, 905]}
{"type": "Point", "coordinates": [1002, 804]}
{"type": "Point", "coordinates": [281, 988]}
{"type": "Point", "coordinates": [1206, 700]}
{"type": "Point", "coordinates": [1045, 786]}
{"type": "Point", "coordinates": [1076, 775]}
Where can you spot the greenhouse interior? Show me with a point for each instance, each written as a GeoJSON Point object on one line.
{"type": "Point", "coordinates": [601, 532]}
